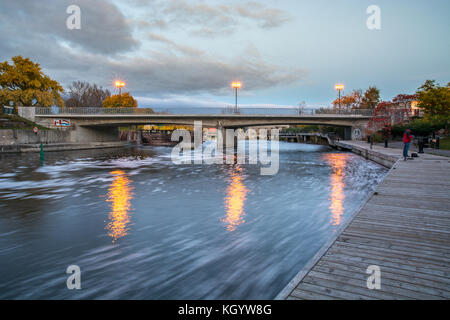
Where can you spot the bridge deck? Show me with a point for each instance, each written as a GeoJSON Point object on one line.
{"type": "Point", "coordinates": [404, 228]}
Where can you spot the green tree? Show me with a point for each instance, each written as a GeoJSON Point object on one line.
{"type": "Point", "coordinates": [435, 101]}
{"type": "Point", "coordinates": [125, 100]}
{"type": "Point", "coordinates": [371, 98]}
{"type": "Point", "coordinates": [25, 84]}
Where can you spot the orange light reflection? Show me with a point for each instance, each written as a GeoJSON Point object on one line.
{"type": "Point", "coordinates": [119, 197]}
{"type": "Point", "coordinates": [236, 195]}
{"type": "Point", "coordinates": [337, 161]}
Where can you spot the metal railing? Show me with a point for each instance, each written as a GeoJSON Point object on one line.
{"type": "Point", "coordinates": [201, 110]}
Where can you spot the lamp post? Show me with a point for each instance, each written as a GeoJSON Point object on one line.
{"type": "Point", "coordinates": [120, 84]}
{"type": "Point", "coordinates": [236, 85]}
{"type": "Point", "coordinates": [339, 87]}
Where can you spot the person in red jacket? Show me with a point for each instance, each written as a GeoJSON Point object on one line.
{"type": "Point", "coordinates": [407, 138]}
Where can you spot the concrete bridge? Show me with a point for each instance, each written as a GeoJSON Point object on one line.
{"type": "Point", "coordinates": [101, 124]}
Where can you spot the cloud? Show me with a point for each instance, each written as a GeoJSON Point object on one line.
{"type": "Point", "coordinates": [265, 17]}
{"type": "Point", "coordinates": [205, 19]}
{"type": "Point", "coordinates": [104, 28]}
{"type": "Point", "coordinates": [101, 52]}
{"type": "Point", "coordinates": [178, 47]}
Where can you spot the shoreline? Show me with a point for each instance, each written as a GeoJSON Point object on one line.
{"type": "Point", "coordinates": [54, 147]}
{"type": "Point", "coordinates": [380, 223]}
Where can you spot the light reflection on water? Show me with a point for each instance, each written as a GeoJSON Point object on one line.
{"type": "Point", "coordinates": [235, 197]}
{"type": "Point", "coordinates": [141, 227]}
{"type": "Point", "coordinates": [119, 196]}
{"type": "Point", "coordinates": [337, 162]}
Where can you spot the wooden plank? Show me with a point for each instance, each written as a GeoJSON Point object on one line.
{"type": "Point", "coordinates": [405, 229]}
{"type": "Point", "coordinates": [408, 271]}
{"type": "Point", "coordinates": [429, 244]}
{"type": "Point", "coordinates": [335, 294]}
{"type": "Point", "coordinates": [416, 254]}
{"type": "Point", "coordinates": [394, 245]}
{"type": "Point", "coordinates": [441, 270]}
{"type": "Point", "coordinates": [395, 274]}
{"type": "Point", "coordinates": [438, 238]}
{"type": "Point", "coordinates": [387, 286]}
{"type": "Point", "coordinates": [307, 295]}
{"type": "Point", "coordinates": [349, 287]}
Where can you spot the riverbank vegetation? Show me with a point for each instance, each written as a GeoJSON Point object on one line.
{"type": "Point", "coordinates": [11, 121]}
{"type": "Point", "coordinates": [124, 100]}
{"type": "Point", "coordinates": [23, 83]}
{"type": "Point", "coordinates": [82, 94]}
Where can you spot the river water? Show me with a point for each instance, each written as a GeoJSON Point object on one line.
{"type": "Point", "coordinates": [140, 227]}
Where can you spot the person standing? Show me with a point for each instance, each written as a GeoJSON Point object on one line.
{"type": "Point", "coordinates": [407, 138]}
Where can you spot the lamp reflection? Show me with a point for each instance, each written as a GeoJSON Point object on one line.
{"type": "Point", "coordinates": [235, 197]}
{"type": "Point", "coordinates": [119, 197]}
{"type": "Point", "coordinates": [337, 161]}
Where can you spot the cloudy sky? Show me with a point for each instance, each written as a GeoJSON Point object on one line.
{"type": "Point", "coordinates": [187, 52]}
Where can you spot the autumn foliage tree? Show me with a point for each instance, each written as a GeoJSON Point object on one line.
{"type": "Point", "coordinates": [381, 117]}
{"type": "Point", "coordinates": [348, 102]}
{"type": "Point", "coordinates": [371, 98]}
{"type": "Point", "coordinates": [124, 100]}
{"type": "Point", "coordinates": [358, 100]}
{"type": "Point", "coordinates": [24, 83]}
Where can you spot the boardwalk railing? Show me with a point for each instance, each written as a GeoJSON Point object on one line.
{"type": "Point", "coordinates": [200, 110]}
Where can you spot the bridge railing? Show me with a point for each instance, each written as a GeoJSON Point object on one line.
{"type": "Point", "coordinates": [91, 111]}
{"type": "Point", "coordinates": [200, 110]}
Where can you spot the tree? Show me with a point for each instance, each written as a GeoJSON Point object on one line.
{"type": "Point", "coordinates": [125, 100]}
{"type": "Point", "coordinates": [371, 98]}
{"type": "Point", "coordinates": [435, 101]}
{"type": "Point", "coordinates": [351, 101]}
{"type": "Point", "coordinates": [25, 84]}
{"type": "Point", "coordinates": [381, 118]}
{"type": "Point", "coordinates": [84, 94]}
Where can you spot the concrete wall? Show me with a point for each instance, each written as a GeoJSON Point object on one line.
{"type": "Point", "coordinates": [380, 158]}
{"type": "Point", "coordinates": [27, 113]}
{"type": "Point", "coordinates": [79, 135]}
{"type": "Point", "coordinates": [15, 136]}
{"type": "Point", "coordinates": [94, 134]}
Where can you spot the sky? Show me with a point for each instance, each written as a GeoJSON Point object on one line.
{"type": "Point", "coordinates": [187, 52]}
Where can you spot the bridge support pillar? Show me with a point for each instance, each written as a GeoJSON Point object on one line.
{"type": "Point", "coordinates": [358, 133]}
{"type": "Point", "coordinates": [347, 133]}
{"type": "Point", "coordinates": [94, 134]}
{"type": "Point", "coordinates": [226, 139]}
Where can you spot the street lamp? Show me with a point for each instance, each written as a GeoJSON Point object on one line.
{"type": "Point", "coordinates": [119, 84]}
{"type": "Point", "coordinates": [236, 85]}
{"type": "Point", "coordinates": [339, 87]}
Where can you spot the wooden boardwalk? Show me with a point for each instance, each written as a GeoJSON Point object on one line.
{"type": "Point", "coordinates": [404, 228]}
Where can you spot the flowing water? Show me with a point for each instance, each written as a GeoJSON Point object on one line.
{"type": "Point", "coordinates": [141, 227]}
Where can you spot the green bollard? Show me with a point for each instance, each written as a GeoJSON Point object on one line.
{"type": "Point", "coordinates": [42, 154]}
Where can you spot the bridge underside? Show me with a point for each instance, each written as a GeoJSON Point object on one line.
{"type": "Point", "coordinates": [105, 127]}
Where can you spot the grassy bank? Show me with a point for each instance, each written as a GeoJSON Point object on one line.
{"type": "Point", "coordinates": [8, 121]}
{"type": "Point", "coordinates": [444, 143]}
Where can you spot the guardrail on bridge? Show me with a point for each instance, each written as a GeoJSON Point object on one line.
{"type": "Point", "coordinates": [200, 110]}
